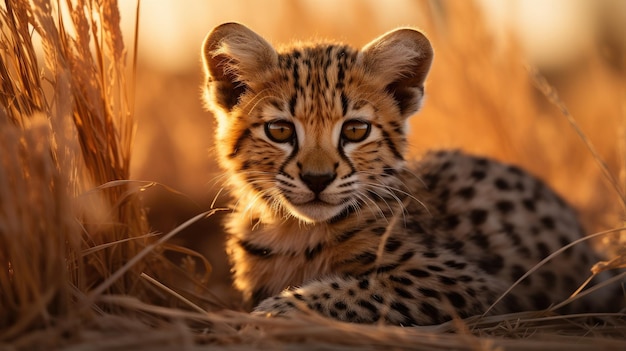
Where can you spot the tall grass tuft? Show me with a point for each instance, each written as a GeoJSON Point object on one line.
{"type": "Point", "coordinates": [68, 218]}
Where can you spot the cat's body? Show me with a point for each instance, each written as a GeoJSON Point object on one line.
{"type": "Point", "coordinates": [327, 215]}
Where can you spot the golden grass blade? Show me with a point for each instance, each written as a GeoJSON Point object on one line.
{"type": "Point", "coordinates": [173, 293]}
{"type": "Point", "coordinates": [551, 256]}
{"type": "Point", "coordinates": [546, 89]}
{"type": "Point", "coordinates": [579, 294]}
{"type": "Point", "coordinates": [145, 251]}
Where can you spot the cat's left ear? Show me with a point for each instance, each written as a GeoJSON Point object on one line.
{"type": "Point", "coordinates": [401, 60]}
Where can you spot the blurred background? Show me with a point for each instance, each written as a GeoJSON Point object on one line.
{"type": "Point", "coordinates": [482, 94]}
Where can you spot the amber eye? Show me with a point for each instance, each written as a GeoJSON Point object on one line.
{"type": "Point", "coordinates": [280, 131]}
{"type": "Point", "coordinates": [355, 130]}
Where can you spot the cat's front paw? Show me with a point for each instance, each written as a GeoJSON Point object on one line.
{"type": "Point", "coordinates": [276, 306]}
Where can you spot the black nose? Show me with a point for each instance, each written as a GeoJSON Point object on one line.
{"type": "Point", "coordinates": [317, 182]}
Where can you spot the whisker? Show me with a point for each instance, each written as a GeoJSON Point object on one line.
{"type": "Point", "coordinates": [392, 195]}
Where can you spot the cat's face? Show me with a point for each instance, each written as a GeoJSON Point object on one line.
{"type": "Point", "coordinates": [314, 131]}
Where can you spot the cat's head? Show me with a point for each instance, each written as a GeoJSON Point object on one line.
{"type": "Point", "coordinates": [313, 130]}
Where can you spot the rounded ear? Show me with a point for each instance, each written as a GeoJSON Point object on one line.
{"type": "Point", "coordinates": [401, 60]}
{"type": "Point", "coordinates": [233, 56]}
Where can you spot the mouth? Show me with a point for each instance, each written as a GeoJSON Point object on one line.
{"type": "Point", "coordinates": [315, 211]}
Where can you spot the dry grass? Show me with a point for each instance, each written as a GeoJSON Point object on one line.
{"type": "Point", "coordinates": [81, 270]}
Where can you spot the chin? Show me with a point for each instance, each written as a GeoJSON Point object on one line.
{"type": "Point", "coordinates": [315, 212]}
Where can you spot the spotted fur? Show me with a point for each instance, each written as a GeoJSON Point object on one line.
{"type": "Point", "coordinates": [344, 226]}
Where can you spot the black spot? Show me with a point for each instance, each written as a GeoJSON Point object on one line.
{"type": "Point", "coordinates": [259, 295]}
{"type": "Point", "coordinates": [377, 298]}
{"type": "Point", "coordinates": [478, 216]}
{"type": "Point", "coordinates": [345, 213]}
{"type": "Point", "coordinates": [584, 259]}
{"type": "Point", "coordinates": [326, 296]}
{"type": "Point", "coordinates": [431, 180]}
{"type": "Point", "coordinates": [569, 282]}
{"type": "Point", "coordinates": [471, 292]}
{"type": "Point", "coordinates": [502, 184]}
{"type": "Point", "coordinates": [403, 293]}
{"type": "Point", "coordinates": [430, 311]}
{"type": "Point", "coordinates": [543, 249]}
{"type": "Point", "coordinates": [366, 258]}
{"type": "Point", "coordinates": [515, 238]}
{"type": "Point", "coordinates": [311, 253]}
{"type": "Point", "coordinates": [334, 285]}
{"type": "Point", "coordinates": [445, 166]}
{"type": "Point", "coordinates": [364, 284]}
{"type": "Point", "coordinates": [564, 241]}
{"type": "Point", "coordinates": [298, 297]}
{"type": "Point", "coordinates": [430, 254]}
{"type": "Point", "coordinates": [446, 280]}
{"type": "Point", "coordinates": [549, 279]}
{"type": "Point", "coordinates": [517, 272]}
{"type": "Point", "coordinates": [379, 230]}
{"type": "Point", "coordinates": [540, 300]}
{"type": "Point", "coordinates": [350, 315]}
{"type": "Point", "coordinates": [350, 292]}
{"type": "Point", "coordinates": [505, 206]}
{"type": "Point", "coordinates": [520, 186]}
{"type": "Point", "coordinates": [534, 230]}
{"type": "Point", "coordinates": [444, 196]}
{"type": "Point", "coordinates": [440, 153]}
{"type": "Point", "coordinates": [418, 273]}
{"type": "Point", "coordinates": [434, 268]}
{"type": "Point", "coordinates": [392, 245]}
{"type": "Point", "coordinates": [404, 310]}
{"type": "Point", "coordinates": [491, 264]}
{"type": "Point", "coordinates": [406, 256]}
{"type": "Point", "coordinates": [450, 222]}
{"type": "Point", "coordinates": [387, 268]}
{"type": "Point", "coordinates": [456, 299]}
{"type": "Point", "coordinates": [523, 251]}
{"type": "Point", "coordinates": [429, 293]}
{"type": "Point", "coordinates": [467, 192]}
{"type": "Point", "coordinates": [478, 175]}
{"type": "Point", "coordinates": [367, 305]}
{"type": "Point", "coordinates": [481, 161]}
{"type": "Point", "coordinates": [480, 239]}
{"type": "Point", "coordinates": [415, 227]}
{"type": "Point", "coordinates": [402, 280]}
{"type": "Point", "coordinates": [388, 171]}
{"type": "Point", "coordinates": [347, 235]}
{"type": "Point", "coordinates": [529, 204]}
{"type": "Point", "coordinates": [465, 278]}
{"type": "Point", "coordinates": [455, 246]}
{"type": "Point", "coordinates": [340, 305]}
{"type": "Point", "coordinates": [512, 303]}
{"type": "Point", "coordinates": [455, 264]}
{"type": "Point", "coordinates": [255, 250]}
{"type": "Point", "coordinates": [515, 170]}
{"type": "Point", "coordinates": [548, 222]}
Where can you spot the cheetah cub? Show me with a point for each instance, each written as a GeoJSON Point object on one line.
{"type": "Point", "coordinates": [328, 215]}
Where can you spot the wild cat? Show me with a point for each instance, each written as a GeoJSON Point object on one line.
{"type": "Point", "coordinates": [330, 217]}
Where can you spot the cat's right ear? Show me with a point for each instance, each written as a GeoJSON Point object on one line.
{"type": "Point", "coordinates": [233, 56]}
